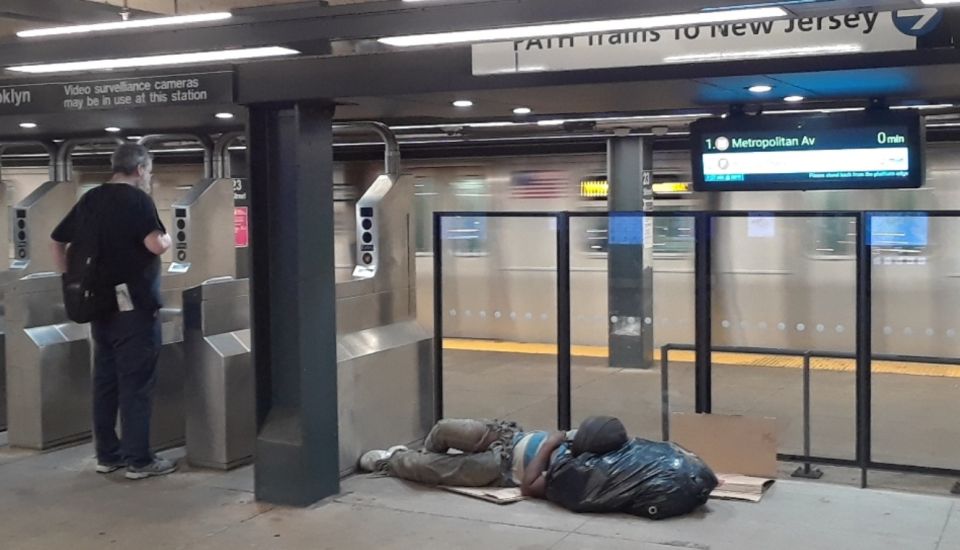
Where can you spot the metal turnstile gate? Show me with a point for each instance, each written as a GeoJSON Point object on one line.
{"type": "Point", "coordinates": [220, 387]}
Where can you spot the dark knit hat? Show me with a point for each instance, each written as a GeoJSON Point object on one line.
{"type": "Point", "coordinates": [599, 435]}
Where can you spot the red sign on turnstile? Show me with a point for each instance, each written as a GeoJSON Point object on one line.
{"type": "Point", "coordinates": [241, 227]}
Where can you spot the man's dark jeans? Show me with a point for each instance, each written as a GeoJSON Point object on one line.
{"type": "Point", "coordinates": [126, 348]}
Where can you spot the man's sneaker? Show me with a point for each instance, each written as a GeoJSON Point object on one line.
{"type": "Point", "coordinates": [159, 467]}
{"type": "Point", "coordinates": [396, 449]}
{"type": "Point", "coordinates": [369, 460]}
{"type": "Point", "coordinates": [109, 467]}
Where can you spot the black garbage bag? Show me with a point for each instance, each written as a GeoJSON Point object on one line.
{"type": "Point", "coordinates": [644, 478]}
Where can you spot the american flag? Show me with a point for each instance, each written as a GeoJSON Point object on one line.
{"type": "Point", "coordinates": [540, 184]}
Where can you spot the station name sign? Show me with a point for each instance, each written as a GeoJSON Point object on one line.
{"type": "Point", "coordinates": [120, 93]}
{"type": "Point", "coordinates": [861, 32]}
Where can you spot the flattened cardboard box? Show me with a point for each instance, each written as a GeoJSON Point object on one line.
{"type": "Point", "coordinates": [742, 445]}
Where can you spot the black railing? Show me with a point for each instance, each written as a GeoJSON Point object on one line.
{"type": "Point", "coordinates": [703, 347]}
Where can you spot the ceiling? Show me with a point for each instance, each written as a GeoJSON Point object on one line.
{"type": "Point", "coordinates": [418, 87]}
{"type": "Point", "coordinates": [17, 15]}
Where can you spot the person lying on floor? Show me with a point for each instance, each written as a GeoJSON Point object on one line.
{"type": "Point", "coordinates": [492, 453]}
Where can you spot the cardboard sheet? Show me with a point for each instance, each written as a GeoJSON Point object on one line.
{"type": "Point", "coordinates": [738, 487]}
{"type": "Point", "coordinates": [490, 494]}
{"type": "Point", "coordinates": [730, 444]}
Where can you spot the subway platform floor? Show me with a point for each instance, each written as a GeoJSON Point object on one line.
{"type": "Point", "coordinates": [913, 415]}
{"type": "Point", "coordinates": [54, 501]}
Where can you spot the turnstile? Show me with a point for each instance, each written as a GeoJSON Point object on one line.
{"type": "Point", "coordinates": [203, 248]}
{"type": "Point", "coordinates": [220, 384]}
{"type": "Point", "coordinates": [48, 367]}
{"type": "Point", "coordinates": [48, 357]}
{"type": "Point", "coordinates": [384, 357]}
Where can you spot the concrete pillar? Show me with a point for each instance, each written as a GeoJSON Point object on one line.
{"type": "Point", "coordinates": [294, 302]}
{"type": "Point", "coordinates": [630, 252]}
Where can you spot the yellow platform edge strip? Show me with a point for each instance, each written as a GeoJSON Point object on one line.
{"type": "Point", "coordinates": [731, 359]}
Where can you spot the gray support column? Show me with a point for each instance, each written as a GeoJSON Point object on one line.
{"type": "Point", "coordinates": [294, 302]}
{"type": "Point", "coordinates": [629, 261]}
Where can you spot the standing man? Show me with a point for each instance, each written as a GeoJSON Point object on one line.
{"type": "Point", "coordinates": [122, 219]}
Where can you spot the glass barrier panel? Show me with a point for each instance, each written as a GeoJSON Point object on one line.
{"type": "Point", "coordinates": [916, 312]}
{"type": "Point", "coordinates": [500, 319]}
{"type": "Point", "coordinates": [641, 258]}
{"type": "Point", "coordinates": [787, 284]}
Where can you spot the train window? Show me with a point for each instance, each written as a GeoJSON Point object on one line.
{"type": "Point", "coordinates": [596, 236]}
{"type": "Point", "coordinates": [900, 235]}
{"type": "Point", "coordinates": [672, 237]}
{"type": "Point", "coordinates": [425, 200]}
{"type": "Point", "coordinates": [833, 237]}
{"type": "Point", "coordinates": [432, 193]}
{"type": "Point", "coordinates": [891, 235]}
{"type": "Point", "coordinates": [468, 235]}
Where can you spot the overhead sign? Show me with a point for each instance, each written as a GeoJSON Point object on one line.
{"type": "Point", "coordinates": [120, 93]}
{"type": "Point", "coordinates": [871, 150]}
{"type": "Point", "coordinates": [836, 34]}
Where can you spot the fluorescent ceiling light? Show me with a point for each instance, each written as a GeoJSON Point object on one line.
{"type": "Point", "coordinates": [552, 122]}
{"type": "Point", "coordinates": [586, 27]}
{"type": "Point", "coordinates": [224, 116]}
{"type": "Point", "coordinates": [925, 2]}
{"type": "Point", "coordinates": [521, 111]}
{"type": "Point", "coordinates": [924, 107]}
{"type": "Point", "coordinates": [760, 88]}
{"type": "Point", "coordinates": [28, 125]}
{"type": "Point", "coordinates": [111, 129]}
{"type": "Point", "coordinates": [129, 24]}
{"type": "Point", "coordinates": [463, 103]}
{"type": "Point", "coordinates": [763, 54]}
{"type": "Point", "coordinates": [808, 111]}
{"type": "Point", "coordinates": [794, 98]}
{"type": "Point", "coordinates": [155, 60]}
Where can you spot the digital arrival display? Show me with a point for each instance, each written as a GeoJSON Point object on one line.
{"type": "Point", "coordinates": [860, 150]}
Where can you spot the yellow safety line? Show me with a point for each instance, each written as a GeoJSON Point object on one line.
{"type": "Point", "coordinates": [733, 359]}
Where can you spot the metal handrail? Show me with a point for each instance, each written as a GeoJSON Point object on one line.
{"type": "Point", "coordinates": [64, 159]}
{"type": "Point", "coordinates": [203, 140]}
{"type": "Point", "coordinates": [391, 153]}
{"type": "Point", "coordinates": [807, 356]}
{"type": "Point", "coordinates": [48, 146]}
{"type": "Point", "coordinates": [221, 153]}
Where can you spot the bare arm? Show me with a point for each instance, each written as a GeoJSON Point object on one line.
{"type": "Point", "coordinates": [59, 255]}
{"type": "Point", "coordinates": [534, 478]}
{"type": "Point", "coordinates": [157, 242]}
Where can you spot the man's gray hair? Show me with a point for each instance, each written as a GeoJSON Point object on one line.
{"type": "Point", "coordinates": [128, 157]}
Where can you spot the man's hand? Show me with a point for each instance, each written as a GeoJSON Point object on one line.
{"type": "Point", "coordinates": [158, 242]}
{"type": "Point", "coordinates": [534, 483]}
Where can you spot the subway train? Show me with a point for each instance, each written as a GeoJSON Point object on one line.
{"type": "Point", "coordinates": [786, 283]}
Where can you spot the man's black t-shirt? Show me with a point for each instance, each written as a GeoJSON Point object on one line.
{"type": "Point", "coordinates": [123, 216]}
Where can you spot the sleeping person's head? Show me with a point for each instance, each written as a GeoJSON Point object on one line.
{"type": "Point", "coordinates": [599, 435]}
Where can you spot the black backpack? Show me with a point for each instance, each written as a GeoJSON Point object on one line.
{"type": "Point", "coordinates": [86, 295]}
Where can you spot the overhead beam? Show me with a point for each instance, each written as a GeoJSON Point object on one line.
{"type": "Point", "coordinates": [58, 11]}
{"type": "Point", "coordinates": [342, 22]}
{"type": "Point", "coordinates": [449, 70]}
